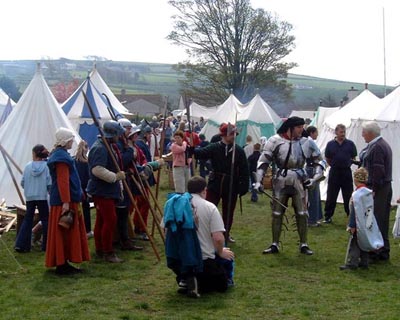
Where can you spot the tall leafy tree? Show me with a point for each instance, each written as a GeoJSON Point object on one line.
{"type": "Point", "coordinates": [232, 47]}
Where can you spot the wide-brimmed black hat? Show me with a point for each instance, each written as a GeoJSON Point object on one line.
{"type": "Point", "coordinates": [291, 123]}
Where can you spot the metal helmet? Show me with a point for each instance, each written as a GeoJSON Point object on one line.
{"type": "Point", "coordinates": [112, 128]}
{"type": "Point", "coordinates": [124, 122]}
{"type": "Point", "coordinates": [135, 129]}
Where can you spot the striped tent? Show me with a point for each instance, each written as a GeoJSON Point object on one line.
{"type": "Point", "coordinates": [78, 112]}
{"type": "Point", "coordinates": [101, 85]}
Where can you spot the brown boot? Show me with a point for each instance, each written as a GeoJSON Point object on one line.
{"type": "Point", "coordinates": [112, 257]}
{"type": "Point", "coordinates": [128, 245]}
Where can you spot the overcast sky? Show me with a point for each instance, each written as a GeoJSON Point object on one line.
{"type": "Point", "coordinates": [336, 39]}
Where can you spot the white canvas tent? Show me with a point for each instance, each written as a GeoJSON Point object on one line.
{"type": "Point", "coordinates": [321, 114]}
{"type": "Point", "coordinates": [388, 118]}
{"type": "Point", "coordinates": [35, 119]}
{"type": "Point", "coordinates": [226, 112]}
{"type": "Point", "coordinates": [365, 103]}
{"type": "Point", "coordinates": [197, 111]}
{"type": "Point", "coordinates": [256, 119]}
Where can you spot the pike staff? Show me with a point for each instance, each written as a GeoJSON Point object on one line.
{"type": "Point", "coordinates": [115, 163]}
{"type": "Point", "coordinates": [162, 140]}
{"type": "Point", "coordinates": [138, 181]}
{"type": "Point", "coordinates": [231, 130]}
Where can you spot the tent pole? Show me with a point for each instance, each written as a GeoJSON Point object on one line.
{"type": "Point", "coordinates": [13, 177]}
{"type": "Point", "coordinates": [4, 151]}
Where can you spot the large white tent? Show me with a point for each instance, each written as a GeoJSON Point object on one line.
{"type": "Point", "coordinates": [35, 119]}
{"type": "Point", "coordinates": [226, 112]}
{"type": "Point", "coordinates": [255, 118]}
{"type": "Point", "coordinates": [321, 114]}
{"type": "Point", "coordinates": [258, 119]}
{"type": "Point", "coordinates": [197, 111]}
{"type": "Point", "coordinates": [388, 118]}
{"type": "Point", "coordinates": [365, 103]}
{"type": "Point", "coordinates": [79, 114]}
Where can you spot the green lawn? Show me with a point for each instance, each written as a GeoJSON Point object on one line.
{"type": "Point", "coordinates": [283, 286]}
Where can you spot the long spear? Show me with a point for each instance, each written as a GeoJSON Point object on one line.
{"type": "Point", "coordinates": [162, 140]}
{"type": "Point", "coordinates": [231, 130]}
{"type": "Point", "coordinates": [116, 165]}
{"type": "Point", "coordinates": [139, 183]}
{"type": "Point", "coordinates": [191, 143]}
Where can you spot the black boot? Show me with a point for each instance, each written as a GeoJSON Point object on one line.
{"type": "Point", "coordinates": [306, 250]}
{"type": "Point", "coordinates": [192, 287]}
{"type": "Point", "coordinates": [271, 249]}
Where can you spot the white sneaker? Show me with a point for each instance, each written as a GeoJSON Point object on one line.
{"type": "Point", "coordinates": [90, 234]}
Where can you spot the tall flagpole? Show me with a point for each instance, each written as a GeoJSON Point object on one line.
{"type": "Point", "coordinates": [384, 51]}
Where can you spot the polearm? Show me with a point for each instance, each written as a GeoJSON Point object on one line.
{"type": "Point", "coordinates": [116, 165]}
{"type": "Point", "coordinates": [12, 175]}
{"type": "Point", "coordinates": [230, 129]}
{"type": "Point", "coordinates": [275, 199]}
{"type": "Point", "coordinates": [160, 151]}
{"type": "Point", "coordinates": [191, 143]}
{"type": "Point", "coordinates": [110, 108]}
{"type": "Point", "coordinates": [162, 140]}
{"type": "Point", "coordinates": [140, 186]}
{"type": "Point", "coordinates": [142, 189]}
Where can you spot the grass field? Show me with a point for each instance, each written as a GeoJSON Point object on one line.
{"type": "Point", "coordinates": [283, 286]}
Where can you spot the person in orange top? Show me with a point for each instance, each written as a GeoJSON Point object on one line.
{"type": "Point", "coordinates": [67, 243]}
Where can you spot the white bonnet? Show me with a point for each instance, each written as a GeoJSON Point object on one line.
{"type": "Point", "coordinates": [63, 136]}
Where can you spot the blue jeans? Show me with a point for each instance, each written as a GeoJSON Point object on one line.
{"type": "Point", "coordinates": [24, 235]}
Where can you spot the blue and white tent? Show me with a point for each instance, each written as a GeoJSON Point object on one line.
{"type": "Point", "coordinates": [100, 84]}
{"type": "Point", "coordinates": [79, 114]}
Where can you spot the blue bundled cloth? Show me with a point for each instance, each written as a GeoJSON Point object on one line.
{"type": "Point", "coordinates": [182, 245]}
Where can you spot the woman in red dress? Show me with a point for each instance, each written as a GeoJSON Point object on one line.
{"type": "Point", "coordinates": [65, 243]}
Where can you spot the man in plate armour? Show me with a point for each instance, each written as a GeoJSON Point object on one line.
{"type": "Point", "coordinates": [288, 151]}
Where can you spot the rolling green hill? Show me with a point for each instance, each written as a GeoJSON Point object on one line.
{"type": "Point", "coordinates": [155, 78]}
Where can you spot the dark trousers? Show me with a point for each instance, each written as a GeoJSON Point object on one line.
{"type": "Point", "coordinates": [382, 199]}
{"type": "Point", "coordinates": [356, 256]}
{"type": "Point", "coordinates": [227, 217]}
{"type": "Point", "coordinates": [339, 179]}
{"type": "Point", "coordinates": [214, 276]}
{"type": "Point", "coordinates": [24, 235]}
{"type": "Point", "coordinates": [122, 223]}
{"type": "Point", "coordinates": [86, 215]}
